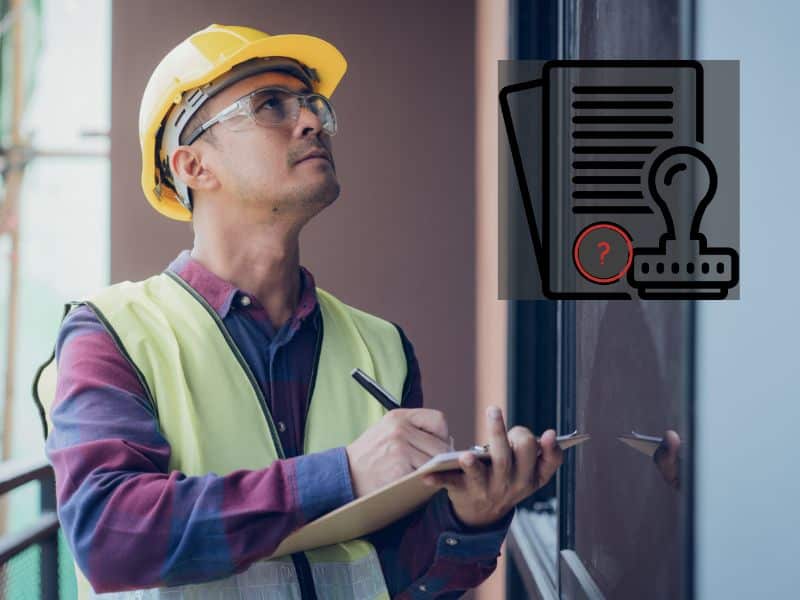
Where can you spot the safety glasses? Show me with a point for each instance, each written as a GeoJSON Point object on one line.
{"type": "Point", "coordinates": [270, 107]}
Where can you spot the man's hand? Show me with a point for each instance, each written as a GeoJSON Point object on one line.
{"type": "Point", "coordinates": [396, 445]}
{"type": "Point", "coordinates": [485, 492]}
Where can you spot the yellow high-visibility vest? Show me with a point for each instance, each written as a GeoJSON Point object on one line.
{"type": "Point", "coordinates": [212, 411]}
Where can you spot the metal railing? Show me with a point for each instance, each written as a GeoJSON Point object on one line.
{"type": "Point", "coordinates": [44, 531]}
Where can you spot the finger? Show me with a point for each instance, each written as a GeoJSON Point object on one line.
{"type": "Point", "coordinates": [476, 474]}
{"type": "Point", "coordinates": [425, 442]}
{"type": "Point", "coordinates": [670, 467]}
{"type": "Point", "coordinates": [415, 457]}
{"type": "Point", "coordinates": [430, 420]}
{"type": "Point", "coordinates": [550, 458]}
{"type": "Point", "coordinates": [673, 442]}
{"type": "Point", "coordinates": [449, 479]}
{"type": "Point", "coordinates": [668, 448]}
{"type": "Point", "coordinates": [498, 445]}
{"type": "Point", "coordinates": [525, 448]}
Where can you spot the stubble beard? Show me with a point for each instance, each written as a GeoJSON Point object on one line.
{"type": "Point", "coordinates": [306, 199]}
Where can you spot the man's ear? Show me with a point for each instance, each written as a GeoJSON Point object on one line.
{"type": "Point", "coordinates": [190, 166]}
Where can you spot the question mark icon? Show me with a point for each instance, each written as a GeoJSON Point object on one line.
{"type": "Point", "coordinates": [596, 241]}
{"type": "Point", "coordinates": [603, 252]}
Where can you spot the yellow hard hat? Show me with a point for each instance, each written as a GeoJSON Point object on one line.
{"type": "Point", "coordinates": [198, 61]}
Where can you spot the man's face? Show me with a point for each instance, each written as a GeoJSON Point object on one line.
{"type": "Point", "coordinates": [260, 168]}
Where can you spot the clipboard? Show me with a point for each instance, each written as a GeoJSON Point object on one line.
{"type": "Point", "coordinates": [646, 444]}
{"type": "Point", "coordinates": [385, 505]}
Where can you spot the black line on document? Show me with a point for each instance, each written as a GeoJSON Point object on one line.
{"type": "Point", "coordinates": [644, 120]}
{"type": "Point", "coordinates": [622, 89]}
{"type": "Point", "coordinates": [607, 164]}
{"type": "Point", "coordinates": [613, 149]}
{"type": "Point", "coordinates": [606, 179]}
{"type": "Point", "coordinates": [622, 104]}
{"type": "Point", "coordinates": [621, 135]}
{"type": "Point", "coordinates": [642, 210]}
{"type": "Point", "coordinates": [608, 194]}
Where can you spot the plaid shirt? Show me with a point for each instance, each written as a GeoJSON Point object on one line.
{"type": "Point", "coordinates": [132, 523]}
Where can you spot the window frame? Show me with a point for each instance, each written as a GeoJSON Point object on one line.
{"type": "Point", "coordinates": [542, 340]}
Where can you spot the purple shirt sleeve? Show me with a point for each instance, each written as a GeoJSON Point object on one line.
{"type": "Point", "coordinates": [430, 553]}
{"type": "Point", "coordinates": [130, 521]}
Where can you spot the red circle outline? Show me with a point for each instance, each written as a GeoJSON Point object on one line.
{"type": "Point", "coordinates": [586, 232]}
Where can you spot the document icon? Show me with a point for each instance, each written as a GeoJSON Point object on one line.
{"type": "Point", "coordinates": [624, 180]}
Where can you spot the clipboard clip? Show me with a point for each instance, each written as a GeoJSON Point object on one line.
{"type": "Point", "coordinates": [565, 441]}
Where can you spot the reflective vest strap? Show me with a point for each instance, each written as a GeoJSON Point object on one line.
{"type": "Point", "coordinates": [357, 580]}
{"type": "Point", "coordinates": [44, 382]}
{"type": "Point", "coordinates": [264, 579]}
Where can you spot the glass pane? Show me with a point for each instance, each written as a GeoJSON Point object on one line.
{"type": "Point", "coordinates": [626, 378]}
{"type": "Point", "coordinates": [632, 375]}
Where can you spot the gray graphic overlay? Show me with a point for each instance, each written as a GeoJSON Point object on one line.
{"type": "Point", "coordinates": [619, 179]}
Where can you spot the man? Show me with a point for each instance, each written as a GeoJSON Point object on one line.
{"type": "Point", "coordinates": [202, 415]}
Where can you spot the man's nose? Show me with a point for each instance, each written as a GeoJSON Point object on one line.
{"type": "Point", "coordinates": [307, 121]}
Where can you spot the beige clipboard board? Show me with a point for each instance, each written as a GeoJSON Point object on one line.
{"type": "Point", "coordinates": [383, 506]}
{"type": "Point", "coordinates": [646, 444]}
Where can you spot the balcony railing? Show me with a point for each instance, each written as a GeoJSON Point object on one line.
{"type": "Point", "coordinates": [44, 531]}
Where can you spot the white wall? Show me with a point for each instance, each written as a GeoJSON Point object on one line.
{"type": "Point", "coordinates": [749, 362]}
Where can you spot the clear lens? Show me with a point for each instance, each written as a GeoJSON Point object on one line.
{"type": "Point", "coordinates": [322, 108]}
{"type": "Point", "coordinates": [236, 116]}
{"type": "Point", "coordinates": [275, 107]}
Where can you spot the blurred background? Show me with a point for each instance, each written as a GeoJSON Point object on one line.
{"type": "Point", "coordinates": [420, 159]}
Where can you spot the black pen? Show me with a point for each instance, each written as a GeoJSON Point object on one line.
{"type": "Point", "coordinates": [377, 391]}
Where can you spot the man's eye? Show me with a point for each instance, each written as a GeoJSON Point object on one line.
{"type": "Point", "coordinates": [270, 103]}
